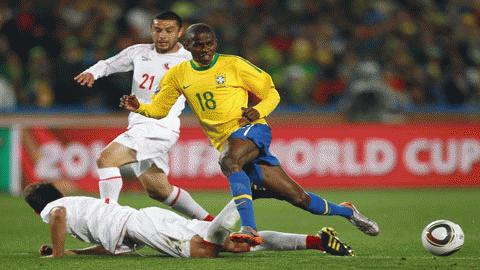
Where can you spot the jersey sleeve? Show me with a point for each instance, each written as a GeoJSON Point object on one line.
{"type": "Point", "coordinates": [121, 62]}
{"type": "Point", "coordinates": [45, 214]}
{"type": "Point", "coordinates": [164, 98]}
{"type": "Point", "coordinates": [259, 83]}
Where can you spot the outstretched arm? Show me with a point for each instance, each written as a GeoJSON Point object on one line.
{"type": "Point", "coordinates": [157, 109]}
{"type": "Point", "coordinates": [161, 103]}
{"type": "Point", "coordinates": [85, 78]}
{"type": "Point", "coordinates": [46, 250]}
{"type": "Point", "coordinates": [121, 62]}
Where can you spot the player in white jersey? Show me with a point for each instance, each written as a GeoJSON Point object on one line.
{"type": "Point", "coordinates": [146, 144]}
{"type": "Point", "coordinates": [119, 229]}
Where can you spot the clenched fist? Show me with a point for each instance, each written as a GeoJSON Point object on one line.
{"type": "Point", "coordinates": [45, 250]}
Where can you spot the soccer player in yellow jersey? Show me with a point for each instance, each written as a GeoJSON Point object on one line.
{"type": "Point", "coordinates": [216, 87]}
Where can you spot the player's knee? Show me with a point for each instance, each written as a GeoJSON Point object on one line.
{"type": "Point", "coordinates": [102, 161]}
{"type": "Point", "coordinates": [230, 164]}
{"type": "Point", "coordinates": [109, 158]}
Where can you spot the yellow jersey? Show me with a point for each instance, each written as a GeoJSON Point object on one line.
{"type": "Point", "coordinates": [216, 93]}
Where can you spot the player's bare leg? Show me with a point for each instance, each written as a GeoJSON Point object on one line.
{"type": "Point", "coordinates": [236, 154]}
{"type": "Point", "coordinates": [111, 158]}
{"type": "Point", "coordinates": [116, 155]}
{"type": "Point", "coordinates": [276, 180]}
{"type": "Point", "coordinates": [155, 182]}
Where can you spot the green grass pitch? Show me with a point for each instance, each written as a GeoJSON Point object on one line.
{"type": "Point", "coordinates": [402, 214]}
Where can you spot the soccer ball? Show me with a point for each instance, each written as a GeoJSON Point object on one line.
{"type": "Point", "coordinates": [442, 237]}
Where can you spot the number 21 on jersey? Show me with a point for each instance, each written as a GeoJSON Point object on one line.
{"type": "Point", "coordinates": [147, 80]}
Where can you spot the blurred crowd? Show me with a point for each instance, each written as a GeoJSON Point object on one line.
{"type": "Point", "coordinates": [420, 52]}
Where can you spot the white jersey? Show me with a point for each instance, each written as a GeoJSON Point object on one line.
{"type": "Point", "coordinates": [93, 221]}
{"type": "Point", "coordinates": [148, 67]}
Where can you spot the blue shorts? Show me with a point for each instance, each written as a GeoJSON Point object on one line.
{"type": "Point", "coordinates": [261, 136]}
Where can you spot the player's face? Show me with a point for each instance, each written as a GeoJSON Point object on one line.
{"type": "Point", "coordinates": [203, 47]}
{"type": "Point", "coordinates": [165, 35]}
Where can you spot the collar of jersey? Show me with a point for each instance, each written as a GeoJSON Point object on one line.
{"type": "Point", "coordinates": [201, 68]}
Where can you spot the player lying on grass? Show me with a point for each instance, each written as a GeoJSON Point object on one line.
{"type": "Point", "coordinates": [119, 229]}
{"type": "Point", "coordinates": [216, 87]}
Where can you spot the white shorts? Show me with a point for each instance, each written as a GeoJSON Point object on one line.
{"type": "Point", "coordinates": [164, 230]}
{"type": "Point", "coordinates": [152, 143]}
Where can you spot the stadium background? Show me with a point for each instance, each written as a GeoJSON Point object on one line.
{"type": "Point", "coordinates": [415, 63]}
{"type": "Point", "coordinates": [417, 126]}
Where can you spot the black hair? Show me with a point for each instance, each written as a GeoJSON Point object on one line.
{"type": "Point", "coordinates": [169, 15]}
{"type": "Point", "coordinates": [38, 195]}
{"type": "Point", "coordinates": [199, 28]}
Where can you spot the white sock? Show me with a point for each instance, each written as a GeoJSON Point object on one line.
{"type": "Point", "coordinates": [219, 228]}
{"type": "Point", "coordinates": [110, 183]}
{"type": "Point", "coordinates": [231, 215]}
{"type": "Point", "coordinates": [183, 202]}
{"type": "Point", "coordinates": [281, 241]}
